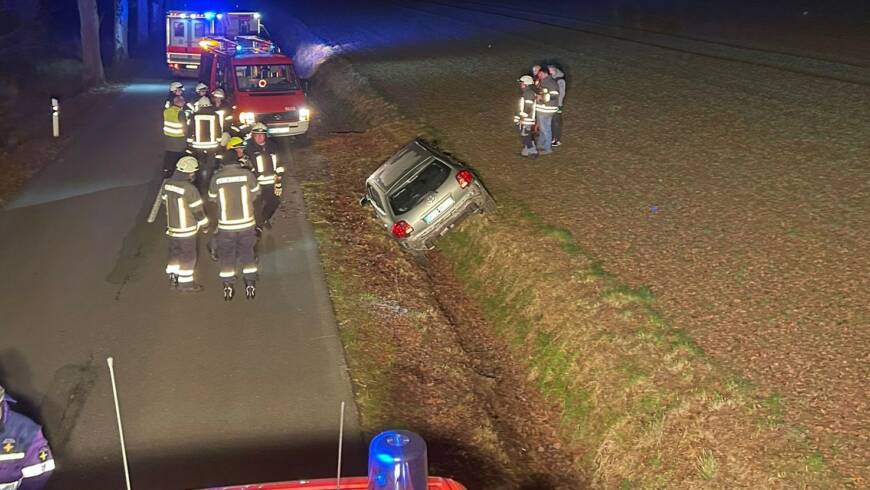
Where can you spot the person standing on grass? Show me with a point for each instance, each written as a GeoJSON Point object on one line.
{"type": "Point", "coordinates": [559, 76]}
{"type": "Point", "coordinates": [545, 107]}
{"type": "Point", "coordinates": [525, 117]}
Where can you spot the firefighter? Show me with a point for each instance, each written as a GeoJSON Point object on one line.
{"type": "Point", "coordinates": [545, 107]}
{"type": "Point", "coordinates": [174, 134]}
{"type": "Point", "coordinates": [185, 217]}
{"type": "Point", "coordinates": [234, 189]}
{"type": "Point", "coordinates": [204, 139]}
{"type": "Point", "coordinates": [26, 461]}
{"type": "Point", "coordinates": [224, 113]}
{"type": "Point", "coordinates": [263, 155]}
{"type": "Point", "coordinates": [201, 90]}
{"type": "Point", "coordinates": [525, 117]}
{"type": "Point", "coordinates": [175, 89]}
{"type": "Point", "coordinates": [235, 153]}
{"type": "Point", "coordinates": [559, 76]}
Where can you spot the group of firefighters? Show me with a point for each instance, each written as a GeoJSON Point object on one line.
{"type": "Point", "coordinates": [217, 183]}
{"type": "Point", "coordinates": [539, 115]}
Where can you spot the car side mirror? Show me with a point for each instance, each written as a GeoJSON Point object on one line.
{"type": "Point", "coordinates": [364, 201]}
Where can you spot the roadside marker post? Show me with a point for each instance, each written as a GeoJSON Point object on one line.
{"type": "Point", "coordinates": [110, 362]}
{"type": "Point", "coordinates": [55, 117]}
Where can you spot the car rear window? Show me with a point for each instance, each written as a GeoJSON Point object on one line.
{"type": "Point", "coordinates": [412, 192]}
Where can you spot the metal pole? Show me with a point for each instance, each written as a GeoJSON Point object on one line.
{"type": "Point", "coordinates": [340, 441]}
{"type": "Point", "coordinates": [110, 362]}
{"type": "Point", "coordinates": [55, 117]}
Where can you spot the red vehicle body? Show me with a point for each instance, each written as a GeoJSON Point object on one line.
{"type": "Point", "coordinates": [356, 483]}
{"type": "Point", "coordinates": [185, 29]}
{"type": "Point", "coordinates": [259, 81]}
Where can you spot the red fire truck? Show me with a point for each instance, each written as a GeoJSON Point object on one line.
{"type": "Point", "coordinates": [259, 80]}
{"type": "Point", "coordinates": [185, 29]}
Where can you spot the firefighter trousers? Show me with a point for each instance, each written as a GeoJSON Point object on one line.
{"type": "Point", "coordinates": [267, 204]}
{"type": "Point", "coordinates": [557, 126]}
{"type": "Point", "coordinates": [207, 163]}
{"type": "Point", "coordinates": [182, 259]}
{"type": "Point", "coordinates": [236, 254]}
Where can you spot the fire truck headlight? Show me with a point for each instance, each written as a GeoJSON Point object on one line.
{"type": "Point", "coordinates": [304, 114]}
{"type": "Point", "coordinates": [247, 117]}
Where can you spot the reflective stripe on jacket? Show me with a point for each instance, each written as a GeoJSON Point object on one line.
{"type": "Point", "coordinates": [173, 125]}
{"type": "Point", "coordinates": [264, 159]}
{"type": "Point", "coordinates": [184, 208]}
{"type": "Point", "coordinates": [526, 110]}
{"type": "Point", "coordinates": [26, 461]}
{"type": "Point", "coordinates": [548, 102]}
{"type": "Point", "coordinates": [234, 188]}
{"type": "Point", "coordinates": [205, 131]}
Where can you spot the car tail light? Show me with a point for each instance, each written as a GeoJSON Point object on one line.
{"type": "Point", "coordinates": [464, 177]}
{"type": "Point", "coordinates": [401, 229]}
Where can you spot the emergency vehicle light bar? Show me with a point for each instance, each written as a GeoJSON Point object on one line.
{"type": "Point", "coordinates": [178, 14]}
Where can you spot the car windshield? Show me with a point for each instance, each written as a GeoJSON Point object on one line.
{"type": "Point", "coordinates": [415, 189]}
{"type": "Point", "coordinates": [266, 78]}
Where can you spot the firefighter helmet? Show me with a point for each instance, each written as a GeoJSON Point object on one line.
{"type": "Point", "coordinates": [259, 128]}
{"type": "Point", "coordinates": [176, 86]}
{"type": "Point", "coordinates": [201, 87]}
{"type": "Point", "coordinates": [219, 94]}
{"type": "Point", "coordinates": [187, 164]}
{"type": "Point", "coordinates": [526, 79]}
{"type": "Point", "coordinates": [235, 143]}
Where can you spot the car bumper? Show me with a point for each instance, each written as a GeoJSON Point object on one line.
{"type": "Point", "coordinates": [288, 128]}
{"type": "Point", "coordinates": [473, 204]}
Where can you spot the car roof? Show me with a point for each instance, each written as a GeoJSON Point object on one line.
{"type": "Point", "coordinates": [403, 160]}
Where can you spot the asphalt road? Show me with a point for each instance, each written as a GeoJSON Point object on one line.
{"type": "Point", "coordinates": [211, 392]}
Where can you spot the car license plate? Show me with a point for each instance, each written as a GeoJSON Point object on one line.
{"type": "Point", "coordinates": [435, 213]}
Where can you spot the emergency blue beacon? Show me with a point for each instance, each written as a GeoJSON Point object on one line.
{"type": "Point", "coordinates": [397, 461]}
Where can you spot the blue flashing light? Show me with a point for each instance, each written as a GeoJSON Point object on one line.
{"type": "Point", "coordinates": [397, 461]}
{"type": "Point", "coordinates": [239, 48]}
{"type": "Point", "coordinates": [210, 15]}
{"type": "Point", "coordinates": [220, 16]}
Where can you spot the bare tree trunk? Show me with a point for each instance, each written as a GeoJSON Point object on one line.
{"type": "Point", "coordinates": [90, 32]}
{"type": "Point", "coordinates": [142, 13]}
{"type": "Point", "coordinates": [157, 20]}
{"type": "Point", "coordinates": [122, 17]}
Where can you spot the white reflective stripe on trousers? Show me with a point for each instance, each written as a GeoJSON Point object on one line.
{"type": "Point", "coordinates": [37, 469]}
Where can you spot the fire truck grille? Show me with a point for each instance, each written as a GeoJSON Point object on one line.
{"type": "Point", "coordinates": [274, 117]}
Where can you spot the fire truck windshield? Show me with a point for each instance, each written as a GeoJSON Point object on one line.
{"type": "Point", "coordinates": [266, 78]}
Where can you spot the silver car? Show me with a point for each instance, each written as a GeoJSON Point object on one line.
{"type": "Point", "coordinates": [421, 193]}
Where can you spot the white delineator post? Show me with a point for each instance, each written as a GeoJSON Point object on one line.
{"type": "Point", "coordinates": [340, 441]}
{"type": "Point", "coordinates": [55, 117]}
{"type": "Point", "coordinates": [110, 362]}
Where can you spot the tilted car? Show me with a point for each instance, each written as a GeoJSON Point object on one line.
{"type": "Point", "coordinates": [421, 193]}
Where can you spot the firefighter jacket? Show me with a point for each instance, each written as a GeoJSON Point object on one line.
{"type": "Point", "coordinates": [175, 129]}
{"type": "Point", "coordinates": [26, 461]}
{"type": "Point", "coordinates": [548, 100]}
{"type": "Point", "coordinates": [204, 132]}
{"type": "Point", "coordinates": [225, 120]}
{"type": "Point", "coordinates": [265, 161]}
{"type": "Point", "coordinates": [525, 116]}
{"type": "Point", "coordinates": [184, 208]}
{"type": "Point", "coordinates": [559, 77]}
{"type": "Point", "coordinates": [234, 188]}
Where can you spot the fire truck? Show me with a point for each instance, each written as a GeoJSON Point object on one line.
{"type": "Point", "coordinates": [259, 80]}
{"type": "Point", "coordinates": [185, 29]}
{"type": "Point", "coordinates": [397, 461]}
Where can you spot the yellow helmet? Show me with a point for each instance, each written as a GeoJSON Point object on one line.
{"type": "Point", "coordinates": [235, 142]}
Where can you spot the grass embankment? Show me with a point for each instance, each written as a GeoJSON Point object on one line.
{"type": "Point", "coordinates": [638, 404]}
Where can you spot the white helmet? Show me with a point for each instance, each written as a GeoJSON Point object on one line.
{"type": "Point", "coordinates": [187, 164]}
{"type": "Point", "coordinates": [175, 86]}
{"type": "Point", "coordinates": [201, 86]}
{"type": "Point", "coordinates": [526, 79]}
{"type": "Point", "coordinates": [202, 102]}
{"type": "Point", "coordinates": [219, 93]}
{"type": "Point", "coordinates": [259, 128]}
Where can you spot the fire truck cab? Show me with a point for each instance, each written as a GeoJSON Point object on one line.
{"type": "Point", "coordinates": [259, 81]}
{"type": "Point", "coordinates": [185, 29]}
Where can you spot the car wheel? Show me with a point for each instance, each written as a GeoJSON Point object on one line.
{"type": "Point", "coordinates": [488, 205]}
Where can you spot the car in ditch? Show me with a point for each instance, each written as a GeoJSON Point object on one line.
{"type": "Point", "coordinates": [421, 193]}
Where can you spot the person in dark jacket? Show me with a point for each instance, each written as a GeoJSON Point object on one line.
{"type": "Point", "coordinates": [545, 108]}
{"type": "Point", "coordinates": [264, 157]}
{"type": "Point", "coordinates": [559, 76]}
{"type": "Point", "coordinates": [234, 188]}
{"type": "Point", "coordinates": [26, 460]}
{"type": "Point", "coordinates": [185, 217]}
